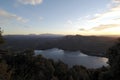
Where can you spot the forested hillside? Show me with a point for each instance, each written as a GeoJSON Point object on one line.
{"type": "Point", "coordinates": [92, 45]}
{"type": "Point", "coordinates": [25, 66]}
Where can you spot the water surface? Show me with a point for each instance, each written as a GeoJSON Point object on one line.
{"type": "Point", "coordinates": [73, 58]}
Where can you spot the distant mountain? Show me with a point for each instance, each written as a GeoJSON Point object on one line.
{"type": "Point", "coordinates": [21, 42]}
{"type": "Point", "coordinates": [35, 36]}
{"type": "Point", "coordinates": [92, 45]}
{"type": "Point", "coordinates": [50, 35]}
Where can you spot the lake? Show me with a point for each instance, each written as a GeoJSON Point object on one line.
{"type": "Point", "coordinates": [73, 58]}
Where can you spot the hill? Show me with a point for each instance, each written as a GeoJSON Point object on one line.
{"type": "Point", "coordinates": [92, 45]}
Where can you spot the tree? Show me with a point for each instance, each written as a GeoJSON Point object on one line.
{"type": "Point", "coordinates": [114, 60]}
{"type": "Point", "coordinates": [1, 38]}
{"type": "Point", "coordinates": [4, 73]}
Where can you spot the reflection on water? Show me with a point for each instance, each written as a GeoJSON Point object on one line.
{"type": "Point", "coordinates": [73, 58]}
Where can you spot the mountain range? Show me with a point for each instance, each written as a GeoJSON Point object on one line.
{"type": "Point", "coordinates": [91, 45]}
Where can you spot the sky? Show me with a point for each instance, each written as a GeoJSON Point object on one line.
{"type": "Point", "coordinates": [67, 17]}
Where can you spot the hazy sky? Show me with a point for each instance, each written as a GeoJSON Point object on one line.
{"type": "Point", "coordinates": [85, 17]}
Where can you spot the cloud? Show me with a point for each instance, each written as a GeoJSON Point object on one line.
{"type": "Point", "coordinates": [9, 19]}
{"type": "Point", "coordinates": [117, 19]}
{"type": "Point", "coordinates": [108, 19]}
{"type": "Point", "coordinates": [106, 26]}
{"type": "Point", "coordinates": [111, 14]}
{"type": "Point", "coordinates": [116, 1]}
{"type": "Point", "coordinates": [107, 22]}
{"type": "Point", "coordinates": [82, 29]}
{"type": "Point", "coordinates": [69, 22]}
{"type": "Point", "coordinates": [31, 2]}
{"type": "Point", "coordinates": [6, 16]}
